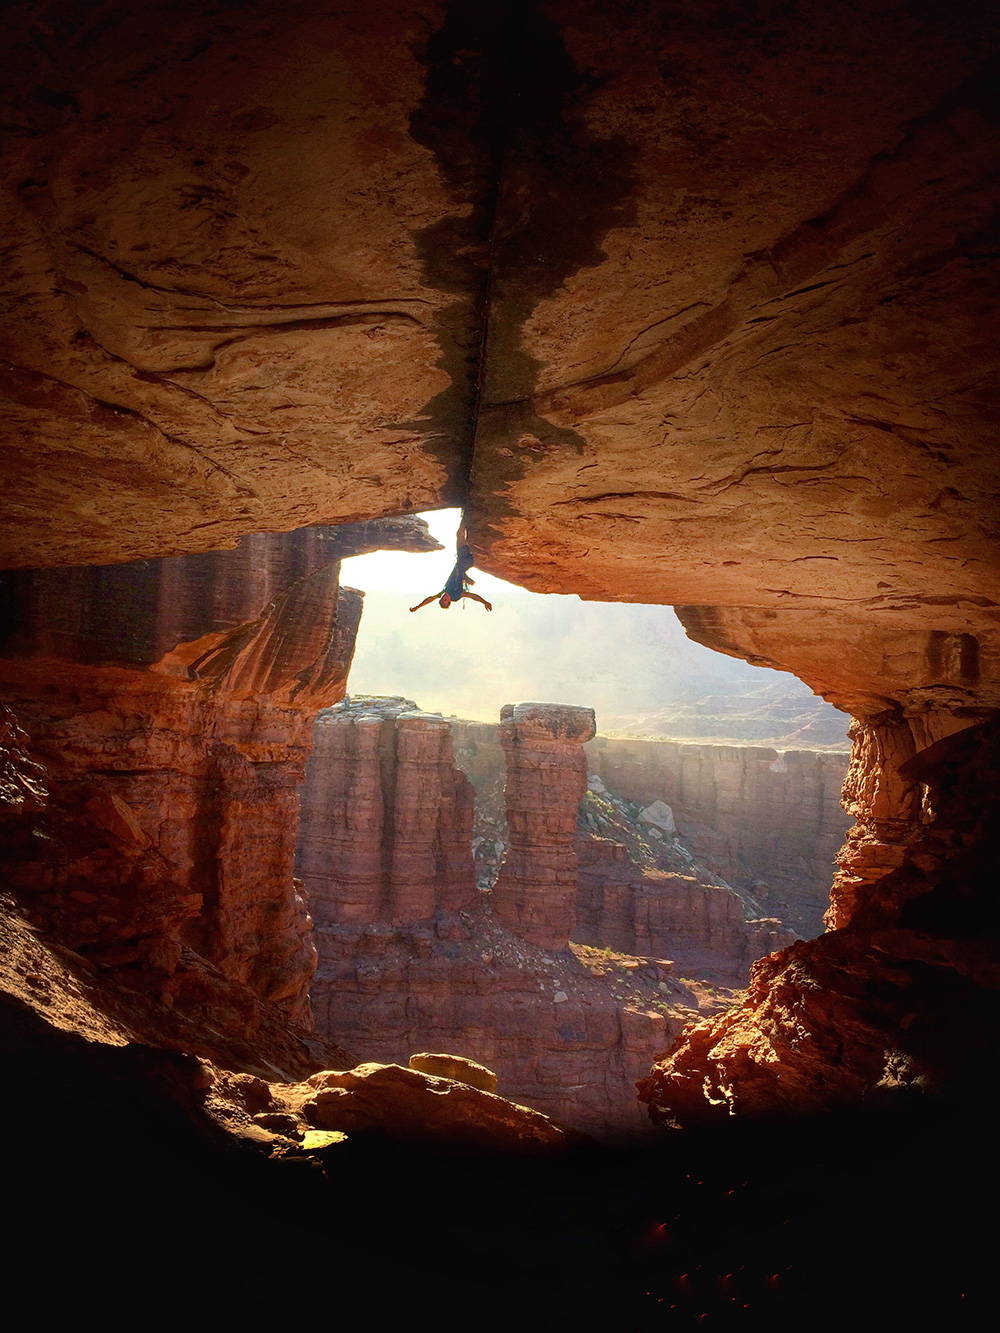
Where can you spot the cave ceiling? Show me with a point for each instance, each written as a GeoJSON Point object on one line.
{"type": "Point", "coordinates": [684, 303]}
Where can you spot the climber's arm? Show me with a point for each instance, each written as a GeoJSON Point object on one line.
{"type": "Point", "coordinates": [433, 598]}
{"type": "Point", "coordinates": [476, 598]}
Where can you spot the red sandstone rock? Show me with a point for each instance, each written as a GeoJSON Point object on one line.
{"type": "Point", "coordinates": [216, 1018]}
{"type": "Point", "coordinates": [175, 774]}
{"type": "Point", "coordinates": [387, 818]}
{"type": "Point", "coordinates": [701, 927]}
{"type": "Point", "coordinates": [743, 372]}
{"type": "Point", "coordinates": [230, 318]}
{"type": "Point", "coordinates": [22, 787]}
{"type": "Point", "coordinates": [535, 893]}
{"type": "Point", "coordinates": [411, 1105]}
{"type": "Point", "coordinates": [561, 1036]}
{"type": "Point", "coordinates": [898, 994]}
{"type": "Point", "coordinates": [455, 1067]}
{"type": "Point", "coordinates": [767, 822]}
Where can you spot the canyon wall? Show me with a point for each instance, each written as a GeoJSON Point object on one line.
{"type": "Point", "coordinates": [412, 956]}
{"type": "Point", "coordinates": [703, 927]}
{"type": "Point", "coordinates": [170, 704]}
{"type": "Point", "coordinates": [535, 892]}
{"type": "Point", "coordinates": [387, 821]}
{"type": "Point", "coordinates": [768, 822]}
{"type": "Point", "coordinates": [690, 308]}
{"type": "Point", "coordinates": [524, 977]}
{"type": "Point", "coordinates": [896, 997]}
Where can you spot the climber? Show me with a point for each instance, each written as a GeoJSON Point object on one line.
{"type": "Point", "coordinates": [457, 586]}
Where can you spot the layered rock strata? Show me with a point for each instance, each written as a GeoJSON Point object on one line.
{"type": "Point", "coordinates": [421, 1107]}
{"type": "Point", "coordinates": [895, 997]}
{"type": "Point", "coordinates": [268, 1085]}
{"type": "Point", "coordinates": [171, 705]}
{"type": "Point", "coordinates": [567, 1032]}
{"type": "Point", "coordinates": [535, 892]}
{"type": "Point", "coordinates": [769, 823]}
{"type": "Point", "coordinates": [412, 956]}
{"type": "Point", "coordinates": [737, 355]}
{"type": "Point", "coordinates": [702, 927]}
{"type": "Point", "coordinates": [387, 821]}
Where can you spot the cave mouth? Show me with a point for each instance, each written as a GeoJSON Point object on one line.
{"type": "Point", "coordinates": [632, 663]}
{"type": "Point", "coordinates": [624, 881]}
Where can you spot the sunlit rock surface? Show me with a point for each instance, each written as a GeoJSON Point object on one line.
{"type": "Point", "coordinates": [691, 307]}
{"type": "Point", "coordinates": [236, 335]}
{"type": "Point", "coordinates": [174, 764]}
{"type": "Point", "coordinates": [535, 892]}
{"type": "Point", "coordinates": [268, 1084]}
{"type": "Point", "coordinates": [426, 1108]}
{"type": "Point", "coordinates": [702, 927]}
{"type": "Point", "coordinates": [413, 957]}
{"type": "Point", "coordinates": [455, 1067]}
{"type": "Point", "coordinates": [896, 998]}
{"type": "Point", "coordinates": [768, 822]}
{"type": "Point", "coordinates": [387, 818]}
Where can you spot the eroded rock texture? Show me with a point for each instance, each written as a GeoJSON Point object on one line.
{"type": "Point", "coordinates": [409, 1104]}
{"type": "Point", "coordinates": [734, 867]}
{"type": "Point", "coordinates": [768, 823]}
{"type": "Point", "coordinates": [535, 892]}
{"type": "Point", "coordinates": [413, 957]}
{"type": "Point", "coordinates": [897, 996]}
{"type": "Point", "coordinates": [760, 378]}
{"type": "Point", "coordinates": [387, 821]}
{"type": "Point", "coordinates": [737, 353]}
{"type": "Point", "coordinates": [234, 260]}
{"type": "Point", "coordinates": [171, 705]}
{"type": "Point", "coordinates": [703, 928]}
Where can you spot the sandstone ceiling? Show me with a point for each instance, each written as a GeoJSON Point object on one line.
{"type": "Point", "coordinates": [687, 303]}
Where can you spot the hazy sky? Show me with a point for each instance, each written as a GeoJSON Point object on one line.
{"type": "Point", "coordinates": [626, 661]}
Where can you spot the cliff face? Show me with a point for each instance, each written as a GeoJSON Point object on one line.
{"type": "Point", "coordinates": [912, 954]}
{"type": "Point", "coordinates": [702, 927]}
{"type": "Point", "coordinates": [737, 355]}
{"type": "Point", "coordinates": [413, 957]}
{"type": "Point", "coordinates": [768, 823]}
{"type": "Point", "coordinates": [764, 824]}
{"type": "Point", "coordinates": [387, 820]}
{"type": "Point", "coordinates": [174, 764]}
{"type": "Point", "coordinates": [535, 892]}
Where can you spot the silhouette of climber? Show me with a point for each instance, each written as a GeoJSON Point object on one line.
{"type": "Point", "coordinates": [457, 585]}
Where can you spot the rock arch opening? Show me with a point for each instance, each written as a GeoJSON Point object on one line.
{"type": "Point", "coordinates": [556, 919]}
{"type": "Point", "coordinates": [688, 304]}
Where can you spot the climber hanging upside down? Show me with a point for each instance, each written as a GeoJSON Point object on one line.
{"type": "Point", "coordinates": [457, 586]}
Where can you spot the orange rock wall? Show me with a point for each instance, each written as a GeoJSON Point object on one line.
{"type": "Point", "coordinates": [535, 892]}
{"type": "Point", "coordinates": [387, 820]}
{"type": "Point", "coordinates": [896, 997]}
{"type": "Point", "coordinates": [766, 822]}
{"type": "Point", "coordinates": [693, 307]}
{"type": "Point", "coordinates": [174, 766]}
{"type": "Point", "coordinates": [413, 957]}
{"type": "Point", "coordinates": [702, 928]}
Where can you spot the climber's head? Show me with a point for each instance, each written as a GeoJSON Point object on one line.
{"type": "Point", "coordinates": [445, 601]}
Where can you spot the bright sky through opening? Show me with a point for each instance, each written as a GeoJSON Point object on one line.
{"type": "Point", "coordinates": [633, 664]}
{"type": "Point", "coordinates": [405, 572]}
